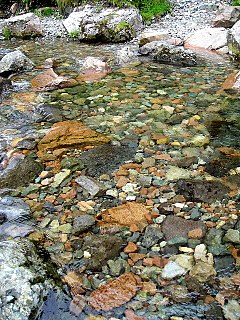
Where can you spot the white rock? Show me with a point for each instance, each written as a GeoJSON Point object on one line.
{"type": "Point", "coordinates": [172, 270]}
{"type": "Point", "coordinates": [232, 310]}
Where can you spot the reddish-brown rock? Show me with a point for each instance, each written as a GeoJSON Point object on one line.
{"type": "Point", "coordinates": [68, 134]}
{"type": "Point", "coordinates": [49, 80]}
{"type": "Point", "coordinates": [115, 293]}
{"type": "Point", "coordinates": [131, 213]}
{"type": "Point", "coordinates": [131, 247]}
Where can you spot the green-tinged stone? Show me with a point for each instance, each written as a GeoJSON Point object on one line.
{"type": "Point", "coordinates": [60, 177]}
{"type": "Point", "coordinates": [232, 236]}
{"type": "Point", "coordinates": [65, 228]}
{"type": "Point", "coordinates": [44, 222]}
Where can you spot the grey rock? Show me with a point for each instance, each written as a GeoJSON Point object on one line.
{"type": "Point", "coordinates": [23, 26]}
{"type": "Point", "coordinates": [105, 158]}
{"type": "Point", "coordinates": [82, 223]}
{"type": "Point", "coordinates": [101, 248]}
{"type": "Point", "coordinates": [214, 237]}
{"type": "Point", "coordinates": [14, 62]}
{"type": "Point", "coordinates": [92, 186]}
{"type": "Point", "coordinates": [227, 16]}
{"type": "Point", "coordinates": [13, 208]}
{"type": "Point", "coordinates": [19, 172]}
{"type": "Point", "coordinates": [178, 241]}
{"type": "Point", "coordinates": [118, 266]}
{"type": "Point", "coordinates": [48, 113]}
{"type": "Point", "coordinates": [126, 55]}
{"type": "Point", "coordinates": [144, 181]}
{"type": "Point", "coordinates": [24, 281]}
{"type": "Point", "coordinates": [186, 310]}
{"type": "Point", "coordinates": [224, 265]}
{"type": "Point", "coordinates": [15, 230]}
{"type": "Point", "coordinates": [232, 310]}
{"type": "Point", "coordinates": [233, 40]}
{"type": "Point", "coordinates": [152, 235]}
{"type": "Point", "coordinates": [173, 227]}
{"type": "Point", "coordinates": [107, 24]}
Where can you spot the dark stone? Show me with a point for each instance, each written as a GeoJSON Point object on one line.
{"type": "Point", "coordinates": [173, 227]}
{"type": "Point", "coordinates": [188, 311]}
{"type": "Point", "coordinates": [152, 235]}
{"type": "Point", "coordinates": [186, 162]}
{"type": "Point", "coordinates": [220, 167]}
{"type": "Point", "coordinates": [106, 158]}
{"type": "Point", "coordinates": [224, 266]}
{"type": "Point", "coordinates": [102, 248]}
{"type": "Point", "coordinates": [3, 217]}
{"type": "Point", "coordinates": [26, 144]}
{"type": "Point", "coordinates": [201, 191]}
{"type": "Point", "coordinates": [4, 83]}
{"type": "Point", "coordinates": [49, 113]}
{"type": "Point", "coordinates": [214, 312]}
{"type": "Point", "coordinates": [20, 172]}
{"type": "Point", "coordinates": [82, 223]}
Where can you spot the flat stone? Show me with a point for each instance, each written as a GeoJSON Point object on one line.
{"type": "Point", "coordinates": [152, 235]}
{"type": "Point", "coordinates": [178, 293]}
{"type": "Point", "coordinates": [128, 214]}
{"type": "Point", "coordinates": [92, 186]}
{"type": "Point", "coordinates": [202, 271]}
{"type": "Point", "coordinates": [68, 134]}
{"type": "Point", "coordinates": [178, 227]}
{"type": "Point", "coordinates": [232, 236]}
{"type": "Point", "coordinates": [82, 223]}
{"type": "Point", "coordinates": [232, 310]}
{"type": "Point", "coordinates": [60, 177]}
{"type": "Point", "coordinates": [101, 249]}
{"type": "Point", "coordinates": [172, 270]}
{"type": "Point", "coordinates": [175, 173]}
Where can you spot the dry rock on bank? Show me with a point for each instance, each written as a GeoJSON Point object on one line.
{"type": "Point", "coordinates": [106, 25]}
{"type": "Point", "coordinates": [14, 62]}
{"type": "Point", "coordinates": [23, 26]}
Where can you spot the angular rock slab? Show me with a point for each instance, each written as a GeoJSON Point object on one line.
{"type": "Point", "coordinates": [24, 26]}
{"type": "Point", "coordinates": [207, 38]}
{"type": "Point", "coordinates": [227, 16]}
{"type": "Point", "coordinates": [68, 134]}
{"type": "Point", "coordinates": [23, 280]}
{"type": "Point", "coordinates": [115, 293]}
{"type": "Point", "coordinates": [106, 25]}
{"type": "Point", "coordinates": [14, 62]}
{"type": "Point", "coordinates": [131, 213]}
{"type": "Point", "coordinates": [233, 40]}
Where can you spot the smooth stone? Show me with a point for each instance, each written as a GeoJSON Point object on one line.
{"type": "Point", "coordinates": [92, 186]}
{"type": "Point", "coordinates": [82, 223]}
{"type": "Point", "coordinates": [173, 270]}
{"type": "Point", "coordinates": [60, 177]}
{"type": "Point", "coordinates": [175, 173]}
{"type": "Point", "coordinates": [232, 236]}
{"type": "Point", "coordinates": [232, 310]}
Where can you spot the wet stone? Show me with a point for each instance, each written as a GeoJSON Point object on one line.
{"type": "Point", "coordinates": [101, 248]}
{"type": "Point", "coordinates": [232, 236]}
{"type": "Point", "coordinates": [152, 235]}
{"type": "Point", "coordinates": [105, 158]}
{"type": "Point", "coordinates": [92, 186]}
{"type": "Point", "coordinates": [224, 265]}
{"type": "Point", "coordinates": [178, 293]}
{"type": "Point", "coordinates": [82, 223]}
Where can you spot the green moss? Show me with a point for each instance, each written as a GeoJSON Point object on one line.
{"type": "Point", "coordinates": [45, 12]}
{"type": "Point", "coordinates": [236, 3]}
{"type": "Point", "coordinates": [7, 33]}
{"type": "Point", "coordinates": [122, 26]}
{"type": "Point", "coordinates": [74, 34]}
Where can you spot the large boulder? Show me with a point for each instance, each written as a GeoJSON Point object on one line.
{"type": "Point", "coordinates": [234, 40]}
{"type": "Point", "coordinates": [14, 62]}
{"type": "Point", "coordinates": [23, 26]}
{"type": "Point", "coordinates": [227, 16]}
{"type": "Point", "coordinates": [207, 38]}
{"type": "Point", "coordinates": [164, 52]}
{"type": "Point", "coordinates": [24, 282]}
{"type": "Point", "coordinates": [90, 23]}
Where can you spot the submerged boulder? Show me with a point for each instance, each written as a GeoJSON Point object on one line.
{"type": "Point", "coordinates": [164, 52]}
{"type": "Point", "coordinates": [90, 23]}
{"type": "Point", "coordinates": [23, 26]}
{"type": "Point", "coordinates": [14, 62]}
{"type": "Point", "coordinates": [23, 280]}
{"type": "Point", "coordinates": [233, 40]}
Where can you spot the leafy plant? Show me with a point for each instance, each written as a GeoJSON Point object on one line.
{"type": "Point", "coordinates": [74, 34]}
{"type": "Point", "coordinates": [7, 33]}
{"type": "Point", "coordinates": [236, 2]}
{"type": "Point", "coordinates": [45, 12]}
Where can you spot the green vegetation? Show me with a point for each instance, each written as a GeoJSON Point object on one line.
{"type": "Point", "coordinates": [74, 34]}
{"type": "Point", "coordinates": [236, 2]}
{"type": "Point", "coordinates": [7, 33]}
{"type": "Point", "coordinates": [45, 12]}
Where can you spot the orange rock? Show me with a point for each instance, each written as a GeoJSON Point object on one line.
{"type": "Point", "coordinates": [149, 287]}
{"type": "Point", "coordinates": [131, 247]}
{"type": "Point", "coordinates": [49, 80]}
{"type": "Point", "coordinates": [136, 256]}
{"type": "Point", "coordinates": [125, 215]}
{"type": "Point", "coordinates": [121, 181]}
{"type": "Point", "coordinates": [115, 293]}
{"type": "Point", "coordinates": [68, 134]}
{"type": "Point", "coordinates": [91, 75]}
